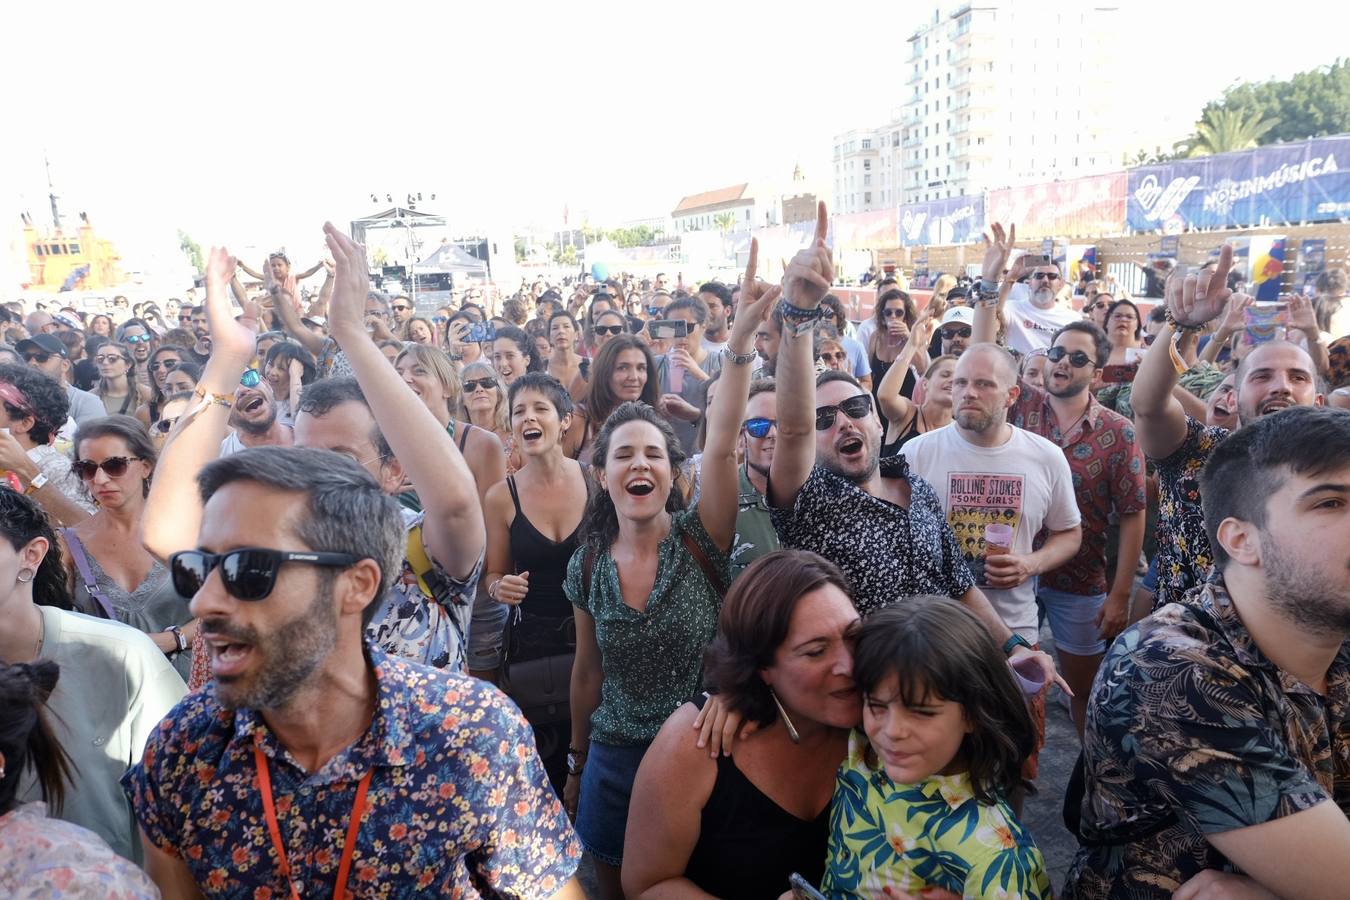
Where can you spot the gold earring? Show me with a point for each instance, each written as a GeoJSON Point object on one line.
{"type": "Point", "coordinates": [787, 723]}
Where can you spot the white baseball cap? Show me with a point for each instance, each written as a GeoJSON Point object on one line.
{"type": "Point", "coordinates": [961, 314]}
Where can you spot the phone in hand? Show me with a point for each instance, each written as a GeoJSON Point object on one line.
{"type": "Point", "coordinates": [481, 333]}
{"type": "Point", "coordinates": [803, 889]}
{"type": "Point", "coordinates": [1032, 260]}
{"type": "Point", "coordinates": [1119, 374]}
{"type": "Point", "coordinates": [667, 329]}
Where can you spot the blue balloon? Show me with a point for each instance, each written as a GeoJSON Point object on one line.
{"type": "Point", "coordinates": [599, 271]}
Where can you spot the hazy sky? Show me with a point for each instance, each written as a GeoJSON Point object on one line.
{"type": "Point", "coordinates": [249, 123]}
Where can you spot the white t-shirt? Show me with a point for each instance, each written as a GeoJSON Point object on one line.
{"type": "Point", "coordinates": [1025, 483]}
{"type": "Point", "coordinates": [1032, 328]}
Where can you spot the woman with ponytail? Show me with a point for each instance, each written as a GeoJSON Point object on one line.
{"type": "Point", "coordinates": [115, 684]}
{"type": "Point", "coordinates": [45, 857]}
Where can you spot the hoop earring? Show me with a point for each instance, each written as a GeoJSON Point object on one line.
{"type": "Point", "coordinates": [787, 723]}
{"type": "Point", "coordinates": [26, 571]}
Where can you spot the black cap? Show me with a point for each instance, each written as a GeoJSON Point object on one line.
{"type": "Point", "coordinates": [43, 343]}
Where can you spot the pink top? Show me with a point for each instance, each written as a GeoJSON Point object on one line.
{"type": "Point", "coordinates": [49, 858]}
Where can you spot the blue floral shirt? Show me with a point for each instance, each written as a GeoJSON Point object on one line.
{"type": "Point", "coordinates": [458, 805]}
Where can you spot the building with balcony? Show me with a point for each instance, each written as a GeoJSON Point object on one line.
{"type": "Point", "coordinates": [995, 93]}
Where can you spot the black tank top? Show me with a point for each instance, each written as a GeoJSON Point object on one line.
{"type": "Point", "coordinates": [911, 431]}
{"type": "Point", "coordinates": [543, 628]}
{"type": "Point", "coordinates": [748, 845]}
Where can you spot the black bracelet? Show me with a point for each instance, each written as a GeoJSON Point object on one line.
{"type": "Point", "coordinates": [800, 313]}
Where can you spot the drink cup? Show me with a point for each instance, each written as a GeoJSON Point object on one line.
{"type": "Point", "coordinates": [997, 540]}
{"type": "Point", "coordinates": [676, 379]}
{"type": "Point", "coordinates": [1030, 676]}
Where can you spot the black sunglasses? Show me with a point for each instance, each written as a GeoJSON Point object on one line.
{"type": "Point", "coordinates": [474, 384]}
{"type": "Point", "coordinates": [39, 358]}
{"type": "Point", "coordinates": [1078, 359]}
{"type": "Point", "coordinates": [759, 426]}
{"type": "Point", "coordinates": [164, 426]}
{"type": "Point", "coordinates": [115, 466]}
{"type": "Point", "coordinates": [841, 356]}
{"type": "Point", "coordinates": [955, 332]}
{"type": "Point", "coordinates": [1049, 276]}
{"type": "Point", "coordinates": [609, 329]}
{"type": "Point", "coordinates": [249, 573]}
{"type": "Point", "coordinates": [854, 407]}
{"type": "Point", "coordinates": [401, 308]}
{"type": "Point", "coordinates": [168, 364]}
{"type": "Point", "coordinates": [893, 313]}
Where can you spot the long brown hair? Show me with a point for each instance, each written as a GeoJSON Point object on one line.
{"type": "Point", "coordinates": [26, 736]}
{"type": "Point", "coordinates": [133, 398]}
{"type": "Point", "coordinates": [601, 400]}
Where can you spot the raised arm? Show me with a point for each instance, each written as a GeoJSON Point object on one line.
{"type": "Point", "coordinates": [284, 309]}
{"type": "Point", "coordinates": [718, 500]}
{"type": "Point", "coordinates": [453, 529]}
{"type": "Point", "coordinates": [173, 511]}
{"type": "Point", "coordinates": [1192, 300]}
{"type": "Point", "coordinates": [985, 327]}
{"type": "Point", "coordinates": [251, 273]}
{"type": "Point", "coordinates": [895, 405]}
{"type": "Point", "coordinates": [806, 280]}
{"type": "Point", "coordinates": [310, 271]}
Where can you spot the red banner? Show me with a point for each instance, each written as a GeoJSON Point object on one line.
{"type": "Point", "coordinates": [1081, 207]}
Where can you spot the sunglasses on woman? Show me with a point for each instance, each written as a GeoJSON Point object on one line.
{"type": "Point", "coordinates": [104, 358]}
{"type": "Point", "coordinates": [249, 573]}
{"type": "Point", "coordinates": [164, 426]}
{"type": "Point", "coordinates": [854, 407]}
{"type": "Point", "coordinates": [893, 313]}
{"type": "Point", "coordinates": [609, 329]}
{"type": "Point", "coordinates": [474, 384]}
{"type": "Point", "coordinates": [827, 358]}
{"type": "Point", "coordinates": [166, 364]}
{"type": "Point", "coordinates": [115, 466]}
{"type": "Point", "coordinates": [759, 427]}
{"type": "Point", "coordinates": [1078, 359]}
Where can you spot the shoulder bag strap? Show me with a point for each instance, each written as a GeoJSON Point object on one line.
{"type": "Point", "coordinates": [86, 573]}
{"type": "Point", "coordinates": [705, 564]}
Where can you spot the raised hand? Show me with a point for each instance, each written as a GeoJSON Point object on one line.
{"type": "Point", "coordinates": [996, 254]}
{"type": "Point", "coordinates": [1198, 297]}
{"type": "Point", "coordinates": [757, 300]}
{"type": "Point", "coordinates": [233, 340]}
{"type": "Point", "coordinates": [1234, 317]}
{"type": "Point", "coordinates": [1301, 314]}
{"type": "Point", "coordinates": [808, 277]}
{"type": "Point", "coordinates": [351, 284]}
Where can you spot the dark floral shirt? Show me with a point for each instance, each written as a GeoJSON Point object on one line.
{"type": "Point", "coordinates": [458, 805]}
{"type": "Point", "coordinates": [1184, 557]}
{"type": "Point", "coordinates": [1191, 731]}
{"type": "Point", "coordinates": [887, 552]}
{"type": "Point", "coordinates": [1108, 476]}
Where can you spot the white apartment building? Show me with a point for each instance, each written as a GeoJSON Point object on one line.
{"type": "Point", "coordinates": [996, 93]}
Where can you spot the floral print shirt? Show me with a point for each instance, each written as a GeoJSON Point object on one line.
{"type": "Point", "coordinates": [1184, 556]}
{"type": "Point", "coordinates": [429, 628]}
{"type": "Point", "coordinates": [887, 837]}
{"type": "Point", "coordinates": [1191, 731]}
{"type": "Point", "coordinates": [47, 859]}
{"type": "Point", "coordinates": [458, 805]}
{"type": "Point", "coordinates": [888, 552]}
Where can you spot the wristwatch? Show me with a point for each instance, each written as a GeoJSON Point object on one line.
{"type": "Point", "coordinates": [1014, 642]}
{"type": "Point", "coordinates": [36, 484]}
{"type": "Point", "coordinates": [740, 359]}
{"type": "Point", "coordinates": [576, 761]}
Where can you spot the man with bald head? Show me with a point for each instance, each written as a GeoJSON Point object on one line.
{"type": "Point", "coordinates": [1272, 377]}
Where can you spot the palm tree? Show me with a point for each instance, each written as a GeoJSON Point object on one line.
{"type": "Point", "coordinates": [1225, 130]}
{"type": "Point", "coordinates": [725, 221]}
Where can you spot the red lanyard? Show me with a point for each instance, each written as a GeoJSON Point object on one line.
{"type": "Point", "coordinates": [348, 846]}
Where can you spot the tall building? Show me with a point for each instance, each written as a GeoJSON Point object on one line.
{"type": "Point", "coordinates": [996, 93]}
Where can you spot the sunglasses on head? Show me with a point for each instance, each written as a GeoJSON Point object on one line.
{"type": "Point", "coordinates": [956, 331]}
{"type": "Point", "coordinates": [249, 573]}
{"type": "Point", "coordinates": [166, 364]}
{"type": "Point", "coordinates": [137, 339]}
{"type": "Point", "coordinates": [1078, 359]}
{"type": "Point", "coordinates": [474, 384]}
{"type": "Point", "coordinates": [759, 427]}
{"type": "Point", "coordinates": [251, 378]}
{"type": "Point", "coordinates": [854, 407]}
{"type": "Point", "coordinates": [115, 466]}
{"type": "Point", "coordinates": [609, 329]}
{"type": "Point", "coordinates": [39, 358]}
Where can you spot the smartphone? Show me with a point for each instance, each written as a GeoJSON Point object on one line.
{"type": "Point", "coordinates": [667, 329]}
{"type": "Point", "coordinates": [802, 889]}
{"type": "Point", "coordinates": [481, 333]}
{"type": "Point", "coordinates": [1032, 260]}
{"type": "Point", "coordinates": [1119, 374]}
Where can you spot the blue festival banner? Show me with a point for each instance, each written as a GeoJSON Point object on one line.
{"type": "Point", "coordinates": [954, 220]}
{"type": "Point", "coordinates": [1307, 181]}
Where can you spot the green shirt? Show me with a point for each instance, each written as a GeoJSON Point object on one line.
{"type": "Point", "coordinates": [909, 837]}
{"type": "Point", "coordinates": [755, 534]}
{"type": "Point", "coordinates": [652, 661]}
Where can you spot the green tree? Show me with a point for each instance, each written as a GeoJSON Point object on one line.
{"type": "Point", "coordinates": [520, 250]}
{"type": "Point", "coordinates": [1224, 130]}
{"type": "Point", "coordinates": [1310, 104]}
{"type": "Point", "coordinates": [637, 236]}
{"type": "Point", "coordinates": [725, 221]}
{"type": "Point", "coordinates": [567, 256]}
{"type": "Point", "coordinates": [191, 249]}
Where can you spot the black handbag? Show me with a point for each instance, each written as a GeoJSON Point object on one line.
{"type": "Point", "coordinates": [542, 686]}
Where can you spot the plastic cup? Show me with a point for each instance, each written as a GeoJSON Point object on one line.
{"type": "Point", "coordinates": [1030, 676]}
{"type": "Point", "coordinates": [676, 379]}
{"type": "Point", "coordinates": [997, 540]}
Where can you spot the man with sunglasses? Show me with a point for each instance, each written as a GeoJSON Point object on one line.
{"type": "Point", "coordinates": [254, 417]}
{"type": "Point", "coordinates": [32, 411]}
{"type": "Point", "coordinates": [831, 492]}
{"type": "Point", "coordinates": [1034, 314]}
{"type": "Point", "coordinates": [755, 534]}
{"type": "Point", "coordinates": [402, 309]}
{"type": "Point", "coordinates": [310, 735]}
{"type": "Point", "coordinates": [47, 354]}
{"type": "Point", "coordinates": [954, 332]}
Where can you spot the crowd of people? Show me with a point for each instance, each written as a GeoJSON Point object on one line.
{"type": "Point", "coordinates": [319, 591]}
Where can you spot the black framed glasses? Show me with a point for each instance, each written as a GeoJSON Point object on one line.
{"type": "Point", "coordinates": [1078, 359]}
{"type": "Point", "coordinates": [474, 384]}
{"type": "Point", "coordinates": [759, 427]}
{"type": "Point", "coordinates": [893, 313]}
{"type": "Point", "coordinates": [164, 426]}
{"type": "Point", "coordinates": [956, 331]}
{"type": "Point", "coordinates": [854, 407]}
{"type": "Point", "coordinates": [1044, 276]}
{"type": "Point", "coordinates": [248, 573]}
{"type": "Point", "coordinates": [609, 329]}
{"type": "Point", "coordinates": [401, 308]}
{"type": "Point", "coordinates": [39, 358]}
{"type": "Point", "coordinates": [115, 466]}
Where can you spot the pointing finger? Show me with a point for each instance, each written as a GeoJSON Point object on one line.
{"type": "Point", "coordinates": [751, 264]}
{"type": "Point", "coordinates": [822, 223]}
